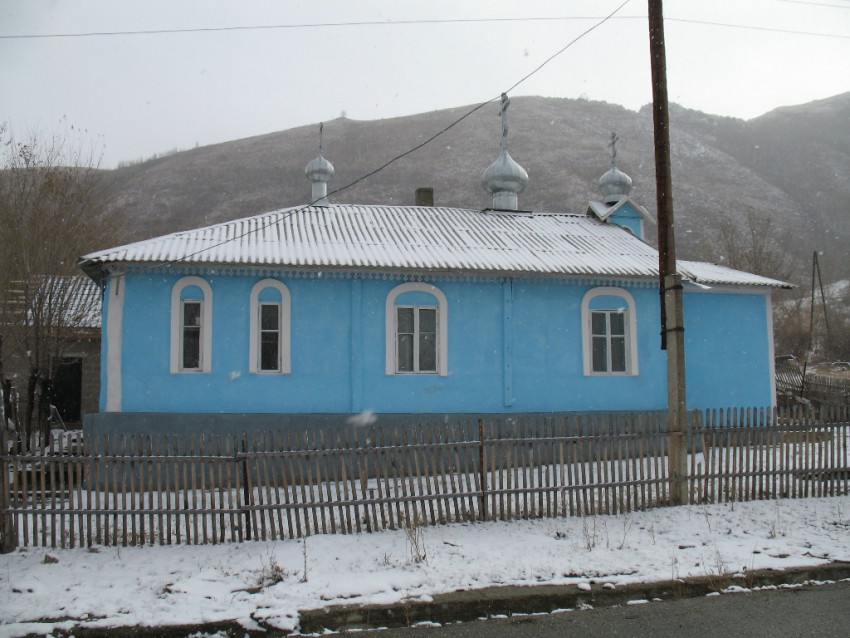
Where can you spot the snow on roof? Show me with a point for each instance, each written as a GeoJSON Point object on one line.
{"type": "Point", "coordinates": [70, 302]}
{"type": "Point", "coordinates": [418, 239]}
{"type": "Point", "coordinates": [708, 274]}
{"type": "Point", "coordinates": [84, 305]}
{"type": "Point", "coordinates": [77, 297]}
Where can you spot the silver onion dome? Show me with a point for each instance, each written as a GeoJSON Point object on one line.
{"type": "Point", "coordinates": [615, 185]}
{"type": "Point", "coordinates": [319, 170]}
{"type": "Point", "coordinates": [504, 179]}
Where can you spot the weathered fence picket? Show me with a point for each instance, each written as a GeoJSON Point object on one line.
{"type": "Point", "coordinates": [193, 489]}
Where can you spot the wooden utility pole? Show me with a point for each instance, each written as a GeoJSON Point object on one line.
{"type": "Point", "coordinates": [816, 272]}
{"type": "Point", "coordinates": [672, 322]}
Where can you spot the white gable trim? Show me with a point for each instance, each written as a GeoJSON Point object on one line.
{"type": "Point", "coordinates": [442, 325]}
{"type": "Point", "coordinates": [602, 211]}
{"type": "Point", "coordinates": [114, 335]}
{"type": "Point", "coordinates": [771, 353]}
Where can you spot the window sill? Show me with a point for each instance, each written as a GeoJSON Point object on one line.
{"type": "Point", "coordinates": [432, 373]}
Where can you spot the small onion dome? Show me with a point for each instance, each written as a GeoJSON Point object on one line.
{"type": "Point", "coordinates": [319, 170]}
{"type": "Point", "coordinates": [504, 179]}
{"type": "Point", "coordinates": [615, 185]}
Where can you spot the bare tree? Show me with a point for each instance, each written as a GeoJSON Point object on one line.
{"type": "Point", "coordinates": [791, 323]}
{"type": "Point", "coordinates": [51, 212]}
{"type": "Point", "coordinates": [751, 243]}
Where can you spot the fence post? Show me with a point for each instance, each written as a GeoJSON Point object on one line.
{"type": "Point", "coordinates": [246, 490]}
{"type": "Point", "coordinates": [482, 479]}
{"type": "Point", "coordinates": [8, 533]}
{"type": "Point", "coordinates": [698, 444]}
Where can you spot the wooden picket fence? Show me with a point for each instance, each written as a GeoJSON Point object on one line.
{"type": "Point", "coordinates": [194, 489]}
{"type": "Point", "coordinates": [794, 381]}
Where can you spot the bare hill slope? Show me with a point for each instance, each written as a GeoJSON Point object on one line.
{"type": "Point", "coordinates": [792, 163]}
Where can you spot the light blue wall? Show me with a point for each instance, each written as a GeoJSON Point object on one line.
{"type": "Point", "coordinates": [321, 350]}
{"type": "Point", "coordinates": [728, 350]}
{"type": "Point", "coordinates": [338, 351]}
{"type": "Point", "coordinates": [548, 352]}
{"type": "Point", "coordinates": [627, 217]}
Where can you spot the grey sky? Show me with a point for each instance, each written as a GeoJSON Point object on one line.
{"type": "Point", "coordinates": [137, 95]}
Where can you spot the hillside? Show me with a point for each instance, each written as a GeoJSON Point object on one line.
{"type": "Point", "coordinates": [792, 164]}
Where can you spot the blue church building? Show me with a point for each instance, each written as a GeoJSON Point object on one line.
{"type": "Point", "coordinates": [317, 313]}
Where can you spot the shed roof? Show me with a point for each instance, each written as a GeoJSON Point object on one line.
{"type": "Point", "coordinates": [418, 239]}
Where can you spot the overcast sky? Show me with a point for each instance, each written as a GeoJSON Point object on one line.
{"type": "Point", "coordinates": [137, 94]}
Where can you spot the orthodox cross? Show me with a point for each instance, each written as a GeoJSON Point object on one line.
{"type": "Point", "coordinates": [321, 126]}
{"type": "Point", "coordinates": [503, 112]}
{"type": "Point", "coordinates": [613, 145]}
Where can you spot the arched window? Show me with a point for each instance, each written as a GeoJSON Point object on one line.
{"type": "Point", "coordinates": [416, 330]}
{"type": "Point", "coordinates": [609, 332]}
{"type": "Point", "coordinates": [191, 326]}
{"type": "Point", "coordinates": [269, 328]}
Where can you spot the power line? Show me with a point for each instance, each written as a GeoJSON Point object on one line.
{"type": "Point", "coordinates": [755, 28]}
{"type": "Point", "coordinates": [306, 25]}
{"type": "Point", "coordinates": [383, 166]}
{"type": "Point", "coordinates": [375, 23]}
{"type": "Point", "coordinates": [568, 45]}
{"type": "Point", "coordinates": [818, 4]}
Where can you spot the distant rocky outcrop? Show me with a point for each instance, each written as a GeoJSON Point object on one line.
{"type": "Point", "coordinates": [792, 164]}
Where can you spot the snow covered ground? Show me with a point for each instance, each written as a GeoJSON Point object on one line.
{"type": "Point", "coordinates": [270, 581]}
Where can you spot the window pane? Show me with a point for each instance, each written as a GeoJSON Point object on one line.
{"type": "Point", "coordinates": [427, 352]}
{"type": "Point", "coordinates": [597, 320]}
{"type": "Point", "coordinates": [191, 313]}
{"type": "Point", "coordinates": [600, 354]}
{"type": "Point", "coordinates": [191, 348]}
{"type": "Point", "coordinates": [268, 317]}
{"type": "Point", "coordinates": [427, 320]}
{"type": "Point", "coordinates": [618, 323]}
{"type": "Point", "coordinates": [618, 354]}
{"type": "Point", "coordinates": [269, 350]}
{"type": "Point", "coordinates": [191, 355]}
{"type": "Point", "coordinates": [405, 353]}
{"type": "Point", "coordinates": [405, 320]}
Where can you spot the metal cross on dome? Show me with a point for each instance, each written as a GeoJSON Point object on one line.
{"type": "Point", "coordinates": [503, 112]}
{"type": "Point", "coordinates": [321, 128]}
{"type": "Point", "coordinates": [613, 145]}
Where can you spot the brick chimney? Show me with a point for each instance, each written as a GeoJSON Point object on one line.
{"type": "Point", "coordinates": [424, 196]}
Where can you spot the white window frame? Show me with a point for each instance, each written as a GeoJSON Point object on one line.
{"type": "Point", "coordinates": [205, 363]}
{"type": "Point", "coordinates": [391, 327]}
{"type": "Point", "coordinates": [284, 318]}
{"type": "Point", "coordinates": [630, 324]}
{"type": "Point", "coordinates": [416, 339]}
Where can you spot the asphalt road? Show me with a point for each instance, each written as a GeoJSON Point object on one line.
{"type": "Point", "coordinates": [816, 611]}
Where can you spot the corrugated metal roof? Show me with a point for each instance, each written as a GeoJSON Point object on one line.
{"type": "Point", "coordinates": [415, 239]}
{"type": "Point", "coordinates": [84, 307]}
{"type": "Point", "coordinates": [715, 275]}
{"type": "Point", "coordinates": [66, 302]}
